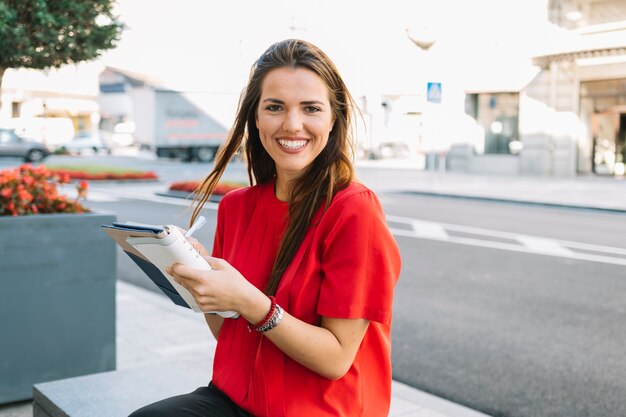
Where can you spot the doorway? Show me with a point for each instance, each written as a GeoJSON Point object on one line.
{"type": "Point", "coordinates": [609, 142]}
{"type": "Point", "coordinates": [603, 111]}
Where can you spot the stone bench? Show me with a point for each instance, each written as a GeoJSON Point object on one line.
{"type": "Point", "coordinates": [117, 393]}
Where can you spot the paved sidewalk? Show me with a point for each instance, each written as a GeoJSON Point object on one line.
{"type": "Point", "coordinates": [585, 192]}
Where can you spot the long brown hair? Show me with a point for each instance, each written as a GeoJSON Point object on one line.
{"type": "Point", "coordinates": [331, 170]}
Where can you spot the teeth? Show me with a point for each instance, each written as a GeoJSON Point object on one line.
{"type": "Point", "coordinates": [292, 144]}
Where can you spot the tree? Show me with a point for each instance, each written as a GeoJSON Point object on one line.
{"type": "Point", "coordinates": [42, 34]}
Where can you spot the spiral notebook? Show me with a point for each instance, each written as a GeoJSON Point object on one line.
{"type": "Point", "coordinates": [153, 248]}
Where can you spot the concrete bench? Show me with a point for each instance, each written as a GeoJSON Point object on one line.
{"type": "Point", "coordinates": [117, 393]}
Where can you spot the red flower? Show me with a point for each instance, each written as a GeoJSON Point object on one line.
{"type": "Point", "coordinates": [24, 195]}
{"type": "Point", "coordinates": [79, 175]}
{"type": "Point", "coordinates": [33, 190]}
{"type": "Point", "coordinates": [81, 188]}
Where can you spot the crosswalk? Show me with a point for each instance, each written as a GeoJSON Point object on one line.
{"type": "Point", "coordinates": [439, 231]}
{"type": "Point", "coordinates": [495, 239]}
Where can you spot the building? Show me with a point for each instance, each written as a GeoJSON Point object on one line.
{"type": "Point", "coordinates": [51, 106]}
{"type": "Point", "coordinates": [587, 78]}
{"type": "Point", "coordinates": [568, 118]}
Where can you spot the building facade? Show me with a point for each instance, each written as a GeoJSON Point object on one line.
{"type": "Point", "coordinates": [51, 106]}
{"type": "Point", "coordinates": [570, 117]}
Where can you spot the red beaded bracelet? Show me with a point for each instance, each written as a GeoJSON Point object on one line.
{"type": "Point", "coordinates": [267, 318]}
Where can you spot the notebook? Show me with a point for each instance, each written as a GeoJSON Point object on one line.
{"type": "Point", "coordinates": [154, 248]}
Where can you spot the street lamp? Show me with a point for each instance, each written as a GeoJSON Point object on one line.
{"type": "Point", "coordinates": [423, 44]}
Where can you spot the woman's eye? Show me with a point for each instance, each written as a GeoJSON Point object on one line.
{"type": "Point", "coordinates": [273, 107]}
{"type": "Point", "coordinates": [312, 109]}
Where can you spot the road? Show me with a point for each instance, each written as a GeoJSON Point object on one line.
{"type": "Point", "coordinates": [503, 309]}
{"type": "Point", "coordinates": [511, 310]}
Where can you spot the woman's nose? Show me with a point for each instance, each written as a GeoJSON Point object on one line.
{"type": "Point", "coordinates": [292, 122]}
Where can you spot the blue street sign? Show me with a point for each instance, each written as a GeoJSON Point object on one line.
{"type": "Point", "coordinates": [433, 93]}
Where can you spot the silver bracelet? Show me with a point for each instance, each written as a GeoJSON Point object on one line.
{"type": "Point", "coordinates": [273, 321]}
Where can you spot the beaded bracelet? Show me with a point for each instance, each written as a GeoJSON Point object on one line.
{"type": "Point", "coordinates": [267, 317]}
{"type": "Point", "coordinates": [273, 322]}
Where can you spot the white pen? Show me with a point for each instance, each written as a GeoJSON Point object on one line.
{"type": "Point", "coordinates": [198, 224]}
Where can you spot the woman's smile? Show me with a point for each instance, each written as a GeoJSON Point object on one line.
{"type": "Point", "coordinates": [292, 144]}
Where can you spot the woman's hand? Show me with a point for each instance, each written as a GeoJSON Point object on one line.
{"type": "Point", "coordinates": [221, 289]}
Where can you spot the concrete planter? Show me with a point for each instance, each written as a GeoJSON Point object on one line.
{"type": "Point", "coordinates": [57, 300]}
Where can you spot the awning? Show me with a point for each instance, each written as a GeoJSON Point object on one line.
{"type": "Point", "coordinates": [576, 46]}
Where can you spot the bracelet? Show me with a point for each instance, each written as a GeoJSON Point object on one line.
{"type": "Point", "coordinates": [267, 317]}
{"type": "Point", "coordinates": [273, 322]}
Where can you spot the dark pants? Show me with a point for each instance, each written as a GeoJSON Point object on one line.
{"type": "Point", "coordinates": [203, 402]}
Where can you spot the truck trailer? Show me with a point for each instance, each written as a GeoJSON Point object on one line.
{"type": "Point", "coordinates": [174, 124]}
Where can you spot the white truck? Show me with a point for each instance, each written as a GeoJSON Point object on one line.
{"type": "Point", "coordinates": [178, 125]}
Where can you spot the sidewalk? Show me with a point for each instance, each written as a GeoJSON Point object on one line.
{"type": "Point", "coordinates": [585, 192]}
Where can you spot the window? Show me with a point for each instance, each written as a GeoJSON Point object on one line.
{"type": "Point", "coordinates": [8, 137]}
{"type": "Point", "coordinates": [498, 115]}
{"type": "Point", "coordinates": [16, 107]}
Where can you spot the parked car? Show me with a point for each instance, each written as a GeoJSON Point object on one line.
{"type": "Point", "coordinates": [14, 145]}
{"type": "Point", "coordinates": [89, 141]}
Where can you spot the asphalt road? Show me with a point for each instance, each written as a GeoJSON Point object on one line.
{"type": "Point", "coordinates": [496, 308]}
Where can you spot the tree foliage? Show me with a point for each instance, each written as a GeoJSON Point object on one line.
{"type": "Point", "coordinates": [41, 34]}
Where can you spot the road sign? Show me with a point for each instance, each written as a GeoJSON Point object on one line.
{"type": "Point", "coordinates": [433, 93]}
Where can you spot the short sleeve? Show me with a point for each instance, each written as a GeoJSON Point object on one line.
{"type": "Point", "coordinates": [360, 260]}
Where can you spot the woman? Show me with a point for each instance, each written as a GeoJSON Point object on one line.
{"type": "Point", "coordinates": [304, 256]}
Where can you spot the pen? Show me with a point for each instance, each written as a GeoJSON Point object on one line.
{"type": "Point", "coordinates": [198, 224]}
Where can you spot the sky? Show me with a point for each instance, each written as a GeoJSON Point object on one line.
{"type": "Point", "coordinates": [200, 45]}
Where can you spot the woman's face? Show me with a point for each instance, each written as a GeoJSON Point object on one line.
{"type": "Point", "coordinates": [294, 119]}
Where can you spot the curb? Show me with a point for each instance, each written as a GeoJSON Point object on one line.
{"type": "Point", "coordinates": [119, 181]}
{"type": "Point", "coordinates": [187, 196]}
{"type": "Point", "coordinates": [513, 201]}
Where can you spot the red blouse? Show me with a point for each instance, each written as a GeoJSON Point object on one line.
{"type": "Point", "coordinates": [346, 267]}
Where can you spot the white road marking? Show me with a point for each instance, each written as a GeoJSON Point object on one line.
{"type": "Point", "coordinates": [429, 230]}
{"type": "Point", "coordinates": [545, 246]}
{"type": "Point", "coordinates": [519, 242]}
{"type": "Point", "coordinates": [101, 197]}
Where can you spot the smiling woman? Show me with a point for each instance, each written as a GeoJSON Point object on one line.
{"type": "Point", "coordinates": [303, 255]}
